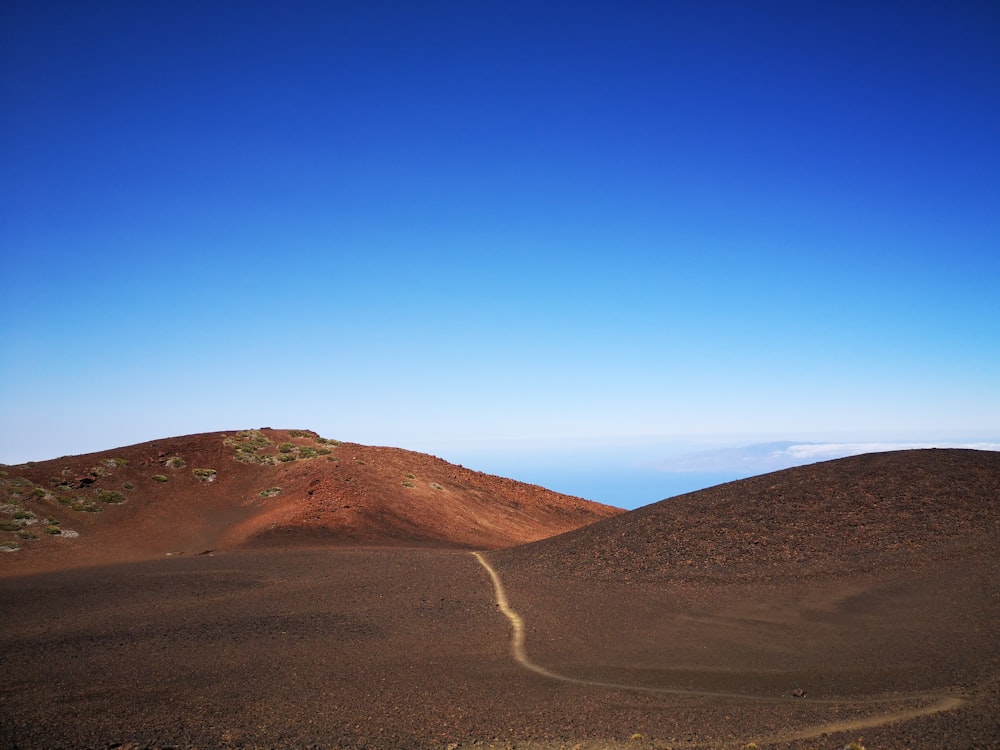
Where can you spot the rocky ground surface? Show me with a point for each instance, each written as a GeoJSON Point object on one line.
{"type": "Point", "coordinates": [754, 613]}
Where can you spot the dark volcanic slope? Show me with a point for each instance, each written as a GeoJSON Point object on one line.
{"type": "Point", "coordinates": [267, 487]}
{"type": "Point", "coordinates": [871, 513]}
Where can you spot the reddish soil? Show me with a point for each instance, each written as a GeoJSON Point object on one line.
{"type": "Point", "coordinates": [850, 601]}
{"type": "Point", "coordinates": [331, 493]}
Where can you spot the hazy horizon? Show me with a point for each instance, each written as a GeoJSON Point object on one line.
{"type": "Point", "coordinates": [453, 224]}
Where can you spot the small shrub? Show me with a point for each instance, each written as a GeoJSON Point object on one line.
{"type": "Point", "coordinates": [53, 530]}
{"type": "Point", "coordinates": [301, 433]}
{"type": "Point", "coordinates": [39, 492]}
{"type": "Point", "coordinates": [307, 452]}
{"type": "Point", "coordinates": [286, 457]}
{"type": "Point", "coordinates": [111, 497]}
{"type": "Point", "coordinates": [26, 535]}
{"type": "Point", "coordinates": [116, 463]}
{"type": "Point", "coordinates": [175, 462]}
{"type": "Point", "coordinates": [128, 486]}
{"type": "Point", "coordinates": [436, 486]}
{"type": "Point", "coordinates": [327, 441]}
{"type": "Point", "coordinates": [270, 492]}
{"type": "Point", "coordinates": [410, 476]}
{"type": "Point", "coordinates": [323, 451]}
{"type": "Point", "coordinates": [159, 478]}
{"type": "Point", "coordinates": [9, 546]}
{"type": "Point", "coordinates": [52, 521]}
{"type": "Point", "coordinates": [205, 475]}
{"type": "Point", "coordinates": [23, 515]}
{"type": "Point", "coordinates": [286, 447]}
{"type": "Point", "coordinates": [10, 526]}
{"type": "Point", "coordinates": [408, 483]}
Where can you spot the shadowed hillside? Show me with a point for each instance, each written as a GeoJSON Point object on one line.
{"type": "Point", "coordinates": [269, 487]}
{"type": "Point", "coordinates": [873, 513]}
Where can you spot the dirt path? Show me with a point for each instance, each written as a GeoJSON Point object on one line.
{"type": "Point", "coordinates": [937, 703]}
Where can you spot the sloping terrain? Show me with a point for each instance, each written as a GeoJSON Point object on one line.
{"type": "Point", "coordinates": [869, 584]}
{"type": "Point", "coordinates": [873, 513]}
{"type": "Point", "coordinates": [850, 602]}
{"type": "Point", "coordinates": [227, 490]}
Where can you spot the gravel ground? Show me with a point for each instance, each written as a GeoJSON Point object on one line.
{"type": "Point", "coordinates": [396, 648]}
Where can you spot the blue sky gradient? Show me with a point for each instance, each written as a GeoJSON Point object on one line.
{"type": "Point", "coordinates": [461, 227]}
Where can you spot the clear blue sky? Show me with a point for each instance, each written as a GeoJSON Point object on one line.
{"type": "Point", "coordinates": [442, 225]}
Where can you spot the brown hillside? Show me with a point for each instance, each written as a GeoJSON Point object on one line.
{"type": "Point", "coordinates": [872, 513]}
{"type": "Point", "coordinates": [227, 490]}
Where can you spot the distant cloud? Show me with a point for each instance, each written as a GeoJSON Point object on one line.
{"type": "Point", "coordinates": [764, 457]}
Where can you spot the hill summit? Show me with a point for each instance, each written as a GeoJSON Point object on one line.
{"type": "Point", "coordinates": [226, 490]}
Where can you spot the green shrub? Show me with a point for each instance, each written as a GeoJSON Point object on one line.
{"type": "Point", "coordinates": [408, 483]}
{"type": "Point", "coordinates": [285, 457]}
{"type": "Point", "coordinates": [116, 463]}
{"type": "Point", "coordinates": [410, 476]}
{"type": "Point", "coordinates": [323, 451]}
{"type": "Point", "coordinates": [286, 447]}
{"type": "Point", "coordinates": [205, 475]}
{"type": "Point", "coordinates": [270, 492]}
{"type": "Point", "coordinates": [23, 515]}
{"type": "Point", "coordinates": [307, 452]}
{"type": "Point", "coordinates": [111, 497]}
{"type": "Point", "coordinates": [53, 530]}
{"type": "Point", "coordinates": [26, 535]}
{"type": "Point", "coordinates": [128, 486]}
{"type": "Point", "coordinates": [9, 546]}
{"type": "Point", "coordinates": [301, 433]}
{"type": "Point", "coordinates": [175, 462]}
{"type": "Point", "coordinates": [10, 526]}
{"type": "Point", "coordinates": [81, 504]}
{"type": "Point", "coordinates": [436, 486]}
{"type": "Point", "coordinates": [39, 492]}
{"type": "Point", "coordinates": [159, 478]}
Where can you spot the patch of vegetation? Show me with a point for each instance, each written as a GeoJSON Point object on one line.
{"type": "Point", "coordinates": [81, 504]}
{"type": "Point", "coordinates": [128, 486]}
{"type": "Point", "coordinates": [23, 515]}
{"type": "Point", "coordinates": [270, 492]}
{"type": "Point", "coordinates": [408, 483]}
{"type": "Point", "coordinates": [53, 530]}
{"type": "Point", "coordinates": [302, 434]}
{"type": "Point", "coordinates": [286, 447]}
{"type": "Point", "coordinates": [175, 462]}
{"type": "Point", "coordinates": [323, 451]}
{"type": "Point", "coordinates": [306, 451]}
{"type": "Point", "coordinates": [410, 476]}
{"type": "Point", "coordinates": [205, 475]}
{"type": "Point", "coordinates": [327, 441]}
{"type": "Point", "coordinates": [10, 526]}
{"type": "Point", "coordinates": [39, 492]}
{"type": "Point", "coordinates": [116, 463]}
{"type": "Point", "coordinates": [159, 478]}
{"type": "Point", "coordinates": [27, 535]}
{"type": "Point", "coordinates": [9, 546]}
{"type": "Point", "coordinates": [286, 457]}
{"type": "Point", "coordinates": [111, 497]}
{"type": "Point", "coordinates": [248, 445]}
{"type": "Point", "coordinates": [436, 486]}
{"type": "Point", "coordinates": [52, 521]}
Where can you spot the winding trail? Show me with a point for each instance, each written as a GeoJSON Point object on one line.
{"type": "Point", "coordinates": [519, 653]}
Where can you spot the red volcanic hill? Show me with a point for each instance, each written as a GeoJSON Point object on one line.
{"type": "Point", "coordinates": [873, 513]}
{"type": "Point", "coordinates": [188, 495]}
